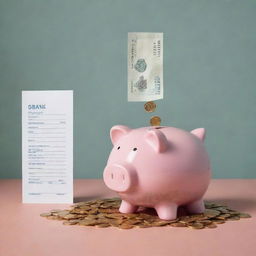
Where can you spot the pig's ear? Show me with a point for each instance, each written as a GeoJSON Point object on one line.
{"type": "Point", "coordinates": [199, 133]}
{"type": "Point", "coordinates": [157, 140]}
{"type": "Point", "coordinates": [118, 131]}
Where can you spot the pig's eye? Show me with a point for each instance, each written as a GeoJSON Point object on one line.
{"type": "Point", "coordinates": [134, 149]}
{"type": "Point", "coordinates": [118, 147]}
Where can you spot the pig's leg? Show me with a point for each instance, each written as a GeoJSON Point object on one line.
{"type": "Point", "coordinates": [126, 207]}
{"type": "Point", "coordinates": [167, 211]}
{"type": "Point", "coordinates": [196, 206]}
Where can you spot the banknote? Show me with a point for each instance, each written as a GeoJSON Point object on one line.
{"type": "Point", "coordinates": [145, 66]}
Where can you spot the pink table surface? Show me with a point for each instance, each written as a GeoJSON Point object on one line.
{"type": "Point", "coordinates": [24, 233]}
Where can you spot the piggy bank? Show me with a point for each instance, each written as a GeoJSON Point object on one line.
{"type": "Point", "coordinates": [159, 167]}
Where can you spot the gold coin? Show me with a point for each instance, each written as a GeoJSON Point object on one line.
{"type": "Point", "coordinates": [125, 226]}
{"type": "Point", "coordinates": [155, 121]}
{"type": "Point", "coordinates": [70, 222]}
{"type": "Point", "coordinates": [115, 222]}
{"type": "Point", "coordinates": [160, 223]}
{"type": "Point", "coordinates": [191, 218]}
{"type": "Point", "coordinates": [244, 215]}
{"type": "Point", "coordinates": [223, 216]}
{"type": "Point", "coordinates": [45, 214]}
{"type": "Point", "coordinates": [108, 210]}
{"type": "Point", "coordinates": [70, 216]}
{"type": "Point", "coordinates": [178, 224]}
{"type": "Point", "coordinates": [212, 225]}
{"type": "Point", "coordinates": [55, 210]}
{"type": "Point", "coordinates": [223, 210]}
{"type": "Point", "coordinates": [133, 221]}
{"type": "Point", "coordinates": [144, 225]}
{"type": "Point", "coordinates": [196, 225]}
{"type": "Point", "coordinates": [211, 213]}
{"type": "Point", "coordinates": [52, 218]}
{"type": "Point", "coordinates": [150, 106]}
{"type": "Point", "coordinates": [218, 221]}
{"type": "Point", "coordinates": [233, 218]}
{"type": "Point", "coordinates": [87, 222]}
{"type": "Point", "coordinates": [206, 222]}
{"type": "Point", "coordinates": [85, 207]}
{"type": "Point", "coordinates": [103, 225]}
{"type": "Point", "coordinates": [78, 211]}
{"type": "Point", "coordinates": [63, 213]}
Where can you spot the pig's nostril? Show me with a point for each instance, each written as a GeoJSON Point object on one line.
{"type": "Point", "coordinates": [123, 176]}
{"type": "Point", "coordinates": [112, 176]}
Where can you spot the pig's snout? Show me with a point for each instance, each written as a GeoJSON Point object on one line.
{"type": "Point", "coordinates": [120, 178]}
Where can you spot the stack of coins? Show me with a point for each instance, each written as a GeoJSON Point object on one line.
{"type": "Point", "coordinates": [150, 107]}
{"type": "Point", "coordinates": [104, 213]}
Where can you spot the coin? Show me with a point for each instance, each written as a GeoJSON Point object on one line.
{"type": "Point", "coordinates": [178, 224]}
{"type": "Point", "coordinates": [103, 213]}
{"type": "Point", "coordinates": [70, 216]}
{"type": "Point", "coordinates": [155, 121]}
{"type": "Point", "coordinates": [212, 225]}
{"type": "Point", "coordinates": [87, 222]}
{"type": "Point", "coordinates": [233, 218]}
{"type": "Point", "coordinates": [150, 106]}
{"type": "Point", "coordinates": [52, 217]}
{"type": "Point", "coordinates": [206, 222]}
{"type": "Point", "coordinates": [70, 222]}
{"type": "Point", "coordinates": [45, 214]}
{"type": "Point", "coordinates": [211, 213]}
{"type": "Point", "coordinates": [196, 225]}
{"type": "Point", "coordinates": [126, 226]}
{"type": "Point", "coordinates": [103, 225]}
{"type": "Point", "coordinates": [191, 218]}
{"type": "Point", "coordinates": [219, 221]}
{"type": "Point", "coordinates": [223, 216]}
{"type": "Point", "coordinates": [244, 215]}
{"type": "Point", "coordinates": [160, 223]}
{"type": "Point", "coordinates": [63, 213]}
{"type": "Point", "coordinates": [145, 225]}
{"type": "Point", "coordinates": [55, 210]}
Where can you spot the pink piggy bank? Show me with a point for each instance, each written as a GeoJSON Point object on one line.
{"type": "Point", "coordinates": [159, 167]}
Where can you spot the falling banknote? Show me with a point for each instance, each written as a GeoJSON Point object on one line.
{"type": "Point", "coordinates": [145, 66]}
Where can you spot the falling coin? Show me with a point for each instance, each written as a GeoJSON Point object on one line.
{"type": "Point", "coordinates": [150, 106]}
{"type": "Point", "coordinates": [155, 121]}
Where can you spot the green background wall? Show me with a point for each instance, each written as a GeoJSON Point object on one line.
{"type": "Point", "coordinates": [209, 73]}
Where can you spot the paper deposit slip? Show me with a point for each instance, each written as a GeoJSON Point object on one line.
{"type": "Point", "coordinates": [47, 146]}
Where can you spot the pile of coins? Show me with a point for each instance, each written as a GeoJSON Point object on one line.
{"type": "Point", "coordinates": [150, 106]}
{"type": "Point", "coordinates": [104, 213]}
